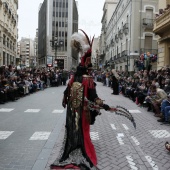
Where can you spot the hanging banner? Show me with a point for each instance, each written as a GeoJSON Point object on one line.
{"type": "Point", "coordinates": [49, 61]}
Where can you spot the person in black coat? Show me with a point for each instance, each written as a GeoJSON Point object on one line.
{"type": "Point", "coordinates": [115, 82]}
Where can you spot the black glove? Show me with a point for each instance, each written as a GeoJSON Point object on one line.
{"type": "Point", "coordinates": [64, 102]}
{"type": "Point", "coordinates": [106, 107]}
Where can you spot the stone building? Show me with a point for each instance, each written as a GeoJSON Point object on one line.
{"type": "Point", "coordinates": [26, 51]}
{"type": "Point", "coordinates": [162, 28]}
{"type": "Point", "coordinates": [129, 33]}
{"type": "Point", "coordinates": [58, 20]}
{"type": "Point", "coordinates": [8, 31]}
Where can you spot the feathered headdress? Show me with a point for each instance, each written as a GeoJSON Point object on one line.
{"type": "Point", "coordinates": [81, 43]}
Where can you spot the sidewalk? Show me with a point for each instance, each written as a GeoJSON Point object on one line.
{"type": "Point", "coordinates": [118, 145]}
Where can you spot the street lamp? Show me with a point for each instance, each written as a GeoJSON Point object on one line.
{"type": "Point", "coordinates": [55, 43]}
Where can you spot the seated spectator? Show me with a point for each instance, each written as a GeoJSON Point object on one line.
{"type": "Point", "coordinates": [141, 93]}
{"type": "Point", "coordinates": [156, 97]}
{"type": "Point", "coordinates": [20, 83]}
{"type": "Point", "coordinates": [165, 110]}
{"type": "Point", "coordinates": [167, 86]}
{"type": "Point", "coordinates": [3, 96]}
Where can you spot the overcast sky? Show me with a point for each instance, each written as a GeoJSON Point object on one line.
{"type": "Point", "coordinates": [90, 15]}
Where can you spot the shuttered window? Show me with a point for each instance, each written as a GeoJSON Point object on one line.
{"type": "Point", "coordinates": [148, 42]}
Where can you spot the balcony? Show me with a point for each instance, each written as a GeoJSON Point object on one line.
{"type": "Point", "coordinates": [126, 28]}
{"type": "Point", "coordinates": [148, 23]}
{"type": "Point", "coordinates": [121, 34]}
{"type": "Point", "coordinates": [116, 38]}
{"type": "Point", "coordinates": [118, 56]}
{"type": "Point", "coordinates": [107, 48]}
{"type": "Point", "coordinates": [145, 50]}
{"type": "Point", "coordinates": [124, 53]}
{"type": "Point", "coordinates": [112, 42]}
{"type": "Point", "coordinates": [162, 23]}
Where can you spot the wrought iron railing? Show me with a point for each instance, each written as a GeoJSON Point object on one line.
{"type": "Point", "coordinates": [124, 53]}
{"type": "Point", "coordinates": [147, 22]}
{"type": "Point", "coordinates": [152, 51]}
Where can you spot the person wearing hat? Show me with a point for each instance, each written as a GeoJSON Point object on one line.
{"type": "Point", "coordinates": [82, 102]}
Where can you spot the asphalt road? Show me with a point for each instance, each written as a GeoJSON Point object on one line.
{"type": "Point", "coordinates": [32, 129]}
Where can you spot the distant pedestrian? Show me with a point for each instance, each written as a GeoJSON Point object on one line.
{"type": "Point", "coordinates": [115, 82]}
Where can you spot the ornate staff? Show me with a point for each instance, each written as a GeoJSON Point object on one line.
{"type": "Point", "coordinates": [119, 110]}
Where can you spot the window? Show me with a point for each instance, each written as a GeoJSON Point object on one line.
{"type": "Point", "coordinates": [66, 15]}
{"type": "Point", "coordinates": [11, 45]}
{"type": "Point", "coordinates": [127, 19]}
{"type": "Point", "coordinates": [8, 42]}
{"type": "Point", "coordinates": [3, 58]}
{"type": "Point", "coordinates": [4, 39]}
{"type": "Point", "coordinates": [60, 4]}
{"type": "Point", "coordinates": [149, 13]}
{"type": "Point", "coordinates": [148, 43]}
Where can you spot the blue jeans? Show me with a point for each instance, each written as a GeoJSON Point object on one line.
{"type": "Point", "coordinates": [165, 108]}
{"type": "Point", "coordinates": [164, 104]}
{"type": "Point", "coordinates": [167, 113]}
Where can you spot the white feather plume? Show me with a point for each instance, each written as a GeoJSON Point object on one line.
{"type": "Point", "coordinates": [79, 42]}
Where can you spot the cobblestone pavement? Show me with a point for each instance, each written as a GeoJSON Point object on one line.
{"type": "Point", "coordinates": [118, 145]}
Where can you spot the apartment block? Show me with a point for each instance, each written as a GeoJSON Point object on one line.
{"type": "Point", "coordinates": [129, 33]}
{"type": "Point", "coordinates": [8, 31]}
{"type": "Point", "coordinates": [58, 20]}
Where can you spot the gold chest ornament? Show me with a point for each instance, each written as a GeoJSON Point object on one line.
{"type": "Point", "coordinates": [76, 95]}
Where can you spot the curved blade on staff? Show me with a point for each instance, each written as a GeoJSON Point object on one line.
{"type": "Point", "coordinates": [124, 112]}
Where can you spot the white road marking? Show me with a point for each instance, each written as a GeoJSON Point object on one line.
{"type": "Point", "coordinates": [40, 136]}
{"type": "Point", "coordinates": [160, 133]}
{"type": "Point", "coordinates": [94, 135]}
{"type": "Point", "coordinates": [113, 126]}
{"type": "Point", "coordinates": [125, 126]}
{"type": "Point", "coordinates": [152, 163]}
{"type": "Point", "coordinates": [135, 140]}
{"type": "Point", "coordinates": [119, 138]}
{"type": "Point", "coordinates": [32, 110]}
{"type": "Point", "coordinates": [58, 111]}
{"type": "Point", "coordinates": [134, 111]}
{"type": "Point", "coordinates": [6, 110]}
{"type": "Point", "coordinates": [5, 134]}
{"type": "Point", "coordinates": [131, 163]}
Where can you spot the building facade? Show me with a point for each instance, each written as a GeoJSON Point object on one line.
{"type": "Point", "coordinates": [58, 20]}
{"type": "Point", "coordinates": [35, 62]}
{"type": "Point", "coordinates": [8, 31]}
{"type": "Point", "coordinates": [26, 51]}
{"type": "Point", "coordinates": [162, 28]}
{"type": "Point", "coordinates": [129, 33]}
{"type": "Point", "coordinates": [95, 53]}
{"type": "Point", "coordinates": [108, 9]}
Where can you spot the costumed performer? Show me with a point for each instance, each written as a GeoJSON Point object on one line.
{"type": "Point", "coordinates": [83, 105]}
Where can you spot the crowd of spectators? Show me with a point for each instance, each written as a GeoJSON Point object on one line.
{"type": "Point", "coordinates": [16, 83]}
{"type": "Point", "coordinates": [150, 89]}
